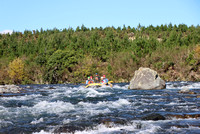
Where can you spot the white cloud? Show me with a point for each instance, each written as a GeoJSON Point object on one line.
{"type": "Point", "coordinates": [6, 31]}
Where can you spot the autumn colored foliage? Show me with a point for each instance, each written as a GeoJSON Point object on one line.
{"type": "Point", "coordinates": [16, 70]}
{"type": "Point", "coordinates": [197, 51]}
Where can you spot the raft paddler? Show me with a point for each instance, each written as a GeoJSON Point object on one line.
{"type": "Point", "coordinates": [101, 80]}
{"type": "Point", "coordinates": [105, 80]}
{"type": "Point", "coordinates": [87, 80]}
{"type": "Point", "coordinates": [90, 80]}
{"type": "Point", "coordinates": [97, 78]}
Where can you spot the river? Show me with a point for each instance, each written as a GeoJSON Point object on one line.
{"type": "Point", "coordinates": [66, 108]}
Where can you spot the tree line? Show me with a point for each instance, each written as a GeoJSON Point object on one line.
{"type": "Point", "coordinates": [70, 55]}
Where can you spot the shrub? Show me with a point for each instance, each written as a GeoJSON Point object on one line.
{"type": "Point", "coordinates": [16, 70]}
{"type": "Point", "coordinates": [57, 63]}
{"type": "Point", "coordinates": [197, 52]}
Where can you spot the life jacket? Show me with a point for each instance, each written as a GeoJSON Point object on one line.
{"type": "Point", "coordinates": [97, 79]}
{"type": "Point", "coordinates": [87, 81]}
{"type": "Point", "coordinates": [105, 80]}
{"type": "Point", "coordinates": [90, 81]}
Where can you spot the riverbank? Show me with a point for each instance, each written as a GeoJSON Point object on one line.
{"type": "Point", "coordinates": [70, 56]}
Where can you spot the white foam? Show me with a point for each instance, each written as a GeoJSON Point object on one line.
{"type": "Point", "coordinates": [25, 97]}
{"type": "Point", "coordinates": [55, 95]}
{"type": "Point", "coordinates": [101, 129]}
{"type": "Point", "coordinates": [37, 121]}
{"type": "Point", "coordinates": [92, 92]}
{"type": "Point", "coordinates": [146, 128]}
{"type": "Point", "coordinates": [175, 129]}
{"type": "Point", "coordinates": [67, 92]}
{"type": "Point", "coordinates": [4, 123]}
{"type": "Point", "coordinates": [195, 85]}
{"type": "Point", "coordinates": [77, 91]}
{"type": "Point", "coordinates": [66, 121]}
{"type": "Point", "coordinates": [100, 107]}
{"type": "Point", "coordinates": [116, 104]}
{"type": "Point", "coordinates": [93, 109]}
{"type": "Point", "coordinates": [120, 103]}
{"type": "Point", "coordinates": [156, 95]}
{"type": "Point", "coordinates": [121, 87]}
{"type": "Point", "coordinates": [53, 107]}
{"type": "Point", "coordinates": [42, 132]}
{"type": "Point", "coordinates": [4, 112]}
{"type": "Point", "coordinates": [181, 105]}
{"type": "Point", "coordinates": [172, 103]}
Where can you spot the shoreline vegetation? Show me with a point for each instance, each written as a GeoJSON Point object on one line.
{"type": "Point", "coordinates": [71, 55]}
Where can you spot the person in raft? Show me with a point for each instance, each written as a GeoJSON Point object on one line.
{"type": "Point", "coordinates": [87, 81]}
{"type": "Point", "coordinates": [101, 80]}
{"type": "Point", "coordinates": [97, 78]}
{"type": "Point", "coordinates": [90, 80]}
{"type": "Point", "coordinates": [104, 80]}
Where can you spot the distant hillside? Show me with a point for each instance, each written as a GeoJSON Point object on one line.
{"type": "Point", "coordinates": [68, 55]}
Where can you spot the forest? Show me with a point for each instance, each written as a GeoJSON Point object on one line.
{"type": "Point", "coordinates": [71, 55]}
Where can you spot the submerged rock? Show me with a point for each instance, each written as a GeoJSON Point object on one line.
{"type": "Point", "coordinates": [185, 116]}
{"type": "Point", "coordinates": [185, 90]}
{"type": "Point", "coordinates": [69, 129]}
{"type": "Point", "coordinates": [110, 121]}
{"type": "Point", "coordinates": [147, 79]}
{"type": "Point", "coordinates": [51, 88]}
{"type": "Point", "coordinates": [154, 117]}
{"type": "Point", "coordinates": [185, 126]}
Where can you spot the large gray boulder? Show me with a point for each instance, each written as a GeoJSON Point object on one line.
{"type": "Point", "coordinates": [9, 89]}
{"type": "Point", "coordinates": [146, 79]}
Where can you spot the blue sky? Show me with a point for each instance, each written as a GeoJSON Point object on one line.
{"type": "Point", "coordinates": [20, 15]}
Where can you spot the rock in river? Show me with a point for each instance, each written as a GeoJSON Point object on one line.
{"type": "Point", "coordinates": [154, 117]}
{"type": "Point", "coordinates": [9, 89]}
{"type": "Point", "coordinates": [147, 79]}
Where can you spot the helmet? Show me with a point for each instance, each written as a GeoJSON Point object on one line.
{"type": "Point", "coordinates": [101, 77]}
{"type": "Point", "coordinates": [91, 77]}
{"type": "Point", "coordinates": [104, 76]}
{"type": "Point", "coordinates": [88, 77]}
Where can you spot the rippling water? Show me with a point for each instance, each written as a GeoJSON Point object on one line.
{"type": "Point", "coordinates": [74, 109]}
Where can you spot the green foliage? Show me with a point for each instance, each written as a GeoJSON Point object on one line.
{"type": "Point", "coordinates": [41, 59]}
{"type": "Point", "coordinates": [57, 63]}
{"type": "Point", "coordinates": [193, 58]}
{"type": "Point", "coordinates": [190, 59]}
{"type": "Point", "coordinates": [109, 68]}
{"type": "Point", "coordinates": [55, 52]}
{"type": "Point", "coordinates": [158, 65]}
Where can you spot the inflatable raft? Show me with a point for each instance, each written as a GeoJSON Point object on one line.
{"type": "Point", "coordinates": [99, 85]}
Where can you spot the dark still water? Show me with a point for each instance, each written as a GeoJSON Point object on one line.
{"type": "Point", "coordinates": [75, 109]}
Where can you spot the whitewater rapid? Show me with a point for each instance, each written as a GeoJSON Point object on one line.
{"type": "Point", "coordinates": [75, 109]}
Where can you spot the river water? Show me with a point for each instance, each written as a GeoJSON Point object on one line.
{"type": "Point", "coordinates": [75, 109]}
